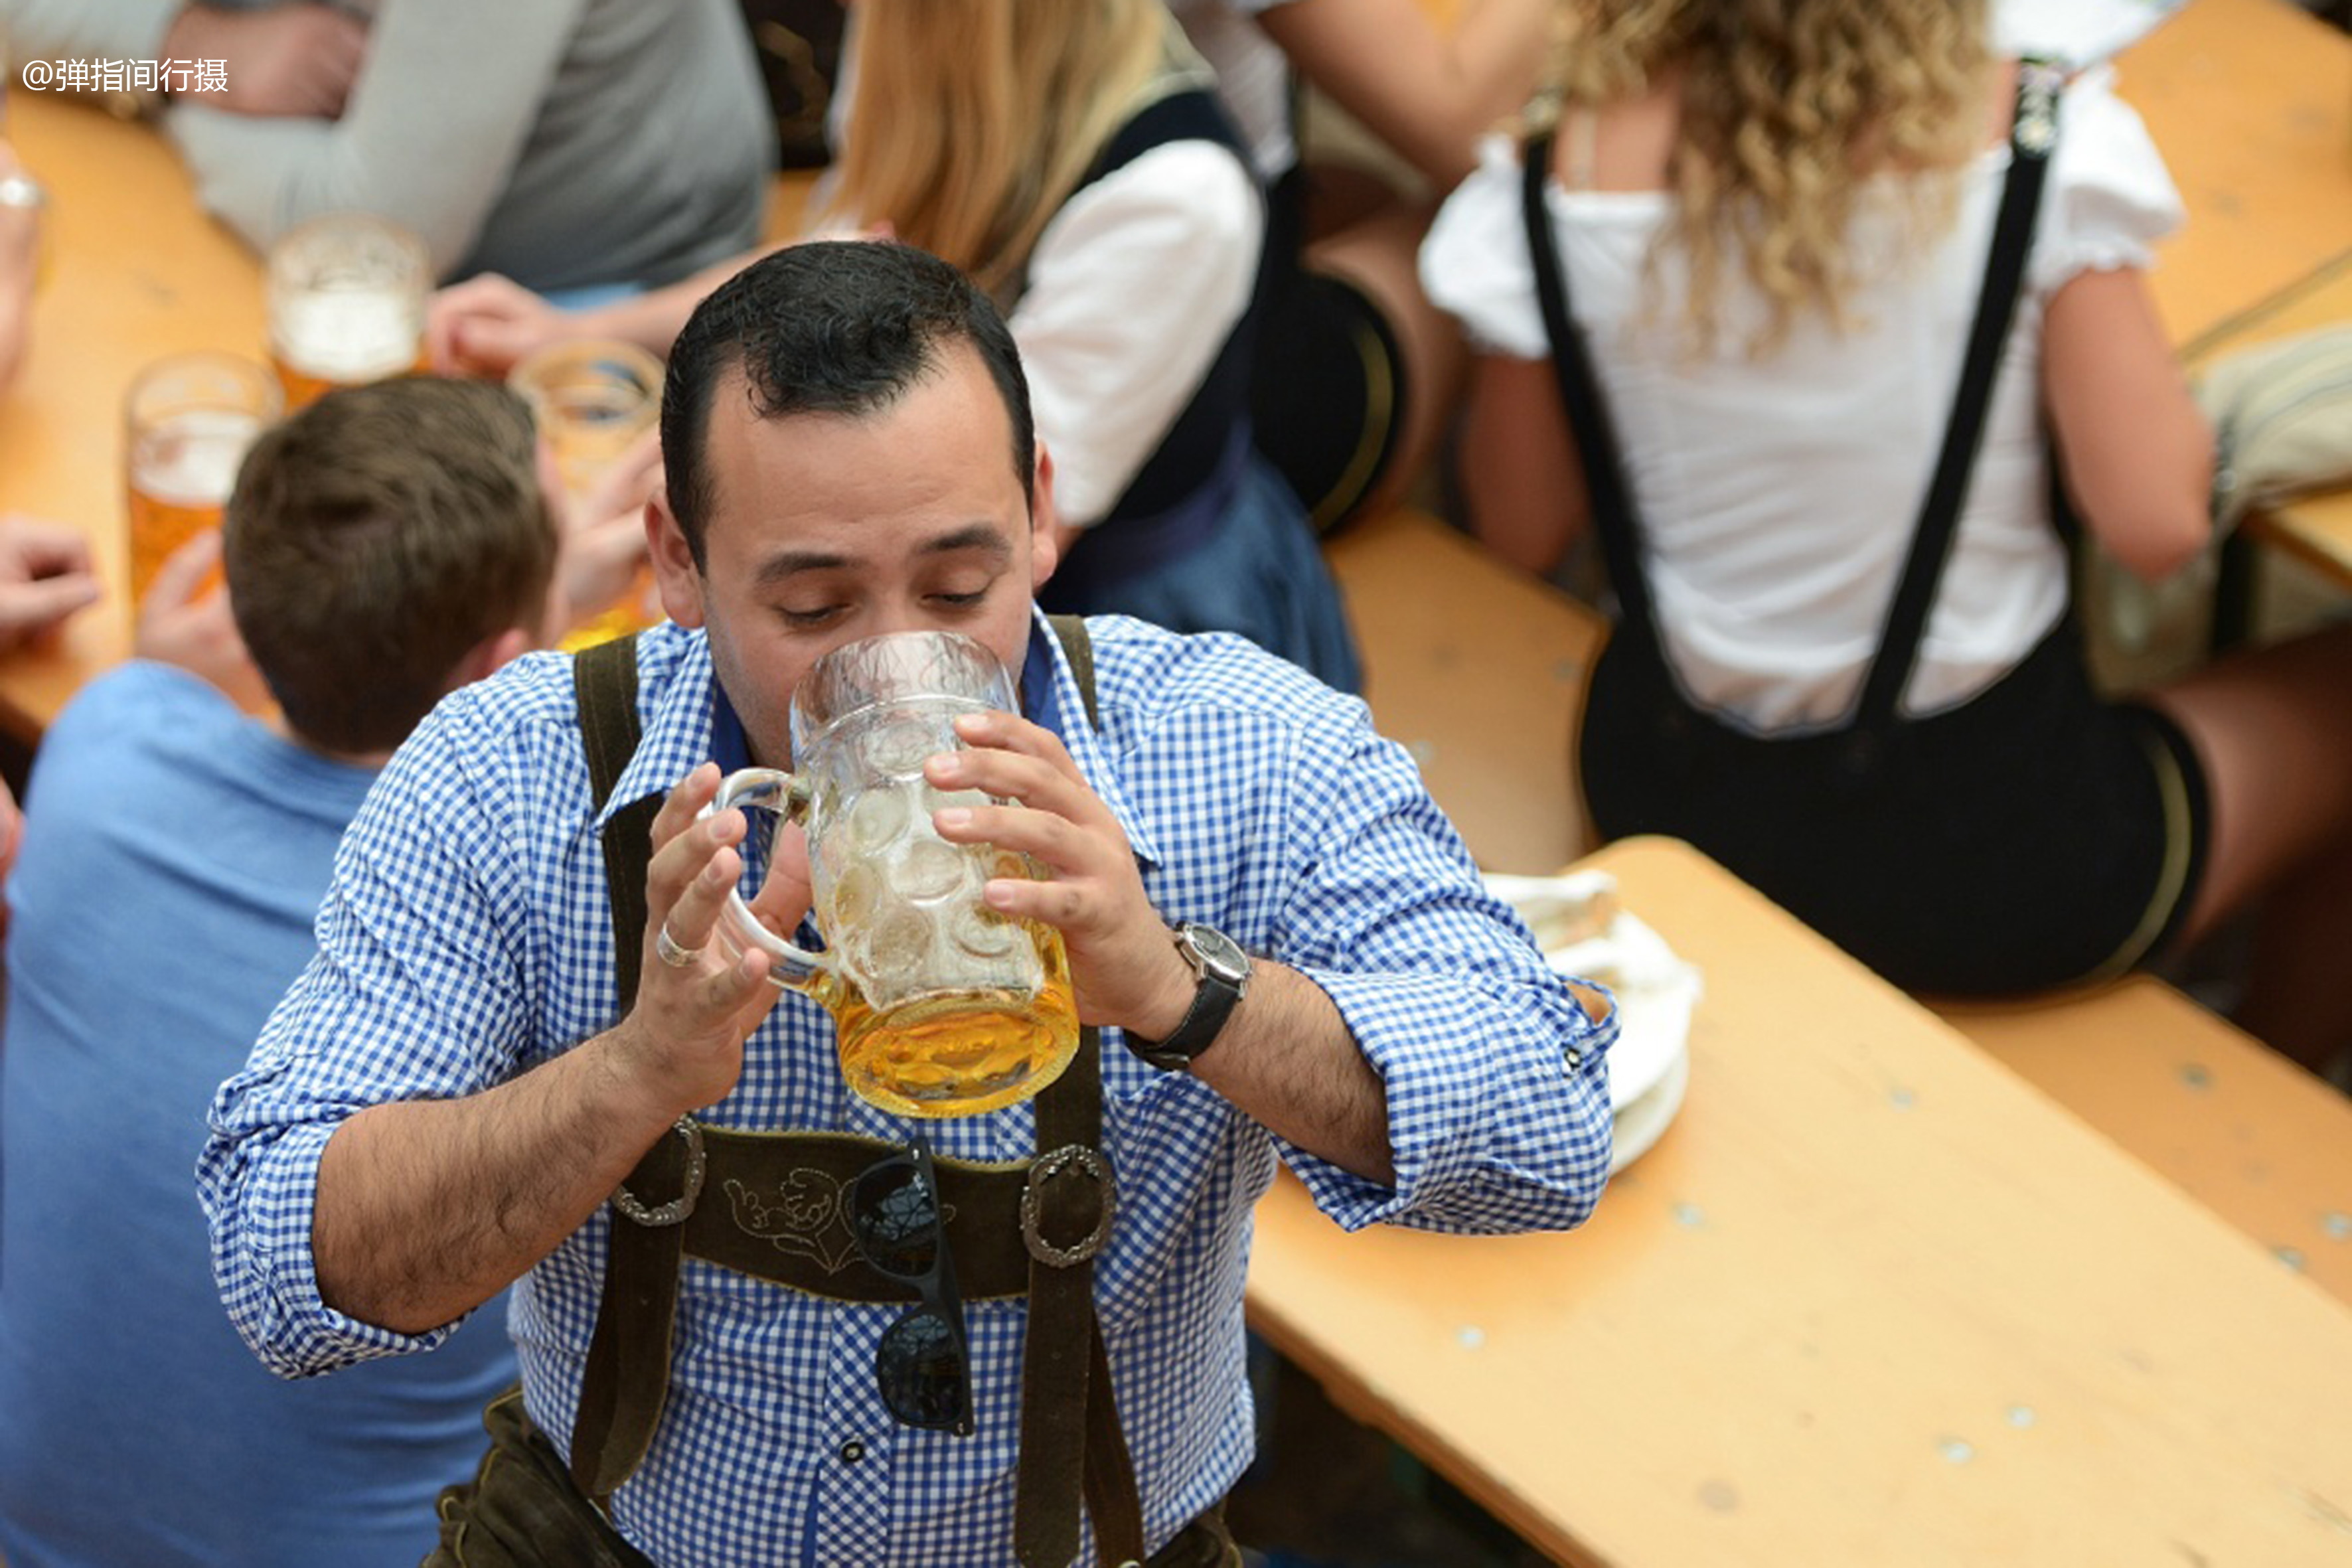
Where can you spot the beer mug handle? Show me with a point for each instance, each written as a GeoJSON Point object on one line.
{"type": "Point", "coordinates": [785, 796]}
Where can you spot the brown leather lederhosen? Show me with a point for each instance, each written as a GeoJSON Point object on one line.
{"type": "Point", "coordinates": [768, 1205]}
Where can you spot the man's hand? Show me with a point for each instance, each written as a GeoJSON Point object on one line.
{"type": "Point", "coordinates": [1125, 970]}
{"type": "Point", "coordinates": [484, 325]}
{"type": "Point", "coordinates": [682, 1041]}
{"type": "Point", "coordinates": [296, 59]}
{"type": "Point", "coordinates": [183, 622]}
{"type": "Point", "coordinates": [45, 577]}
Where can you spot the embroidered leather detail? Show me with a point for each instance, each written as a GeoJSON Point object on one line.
{"type": "Point", "coordinates": [806, 1218]}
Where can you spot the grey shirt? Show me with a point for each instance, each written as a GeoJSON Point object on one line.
{"type": "Point", "coordinates": [563, 143]}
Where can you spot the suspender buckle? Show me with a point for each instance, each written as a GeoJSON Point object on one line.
{"type": "Point", "coordinates": [1067, 1206]}
{"type": "Point", "coordinates": [675, 1211]}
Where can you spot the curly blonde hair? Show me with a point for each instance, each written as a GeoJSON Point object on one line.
{"type": "Point", "coordinates": [1786, 107]}
{"type": "Point", "coordinates": [970, 120]}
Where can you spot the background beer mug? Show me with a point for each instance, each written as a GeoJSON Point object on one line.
{"type": "Point", "coordinates": [944, 1007]}
{"type": "Point", "coordinates": [187, 422]}
{"type": "Point", "coordinates": [346, 302]}
{"type": "Point", "coordinates": [593, 399]}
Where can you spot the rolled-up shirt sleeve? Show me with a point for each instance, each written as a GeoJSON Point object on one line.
{"type": "Point", "coordinates": [1497, 1079]}
{"type": "Point", "coordinates": [1496, 1076]}
{"type": "Point", "coordinates": [417, 992]}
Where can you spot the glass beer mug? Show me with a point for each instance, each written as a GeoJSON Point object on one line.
{"type": "Point", "coordinates": [346, 300]}
{"type": "Point", "coordinates": [944, 1007]}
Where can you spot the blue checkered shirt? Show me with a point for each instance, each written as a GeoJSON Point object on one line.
{"type": "Point", "coordinates": [466, 938]}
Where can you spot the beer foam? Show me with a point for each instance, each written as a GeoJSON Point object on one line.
{"type": "Point", "coordinates": [190, 458]}
{"type": "Point", "coordinates": [347, 335]}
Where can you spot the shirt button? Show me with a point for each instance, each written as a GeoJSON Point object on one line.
{"type": "Point", "coordinates": [852, 1451]}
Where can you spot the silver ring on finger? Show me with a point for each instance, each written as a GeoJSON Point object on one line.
{"type": "Point", "coordinates": [666, 949]}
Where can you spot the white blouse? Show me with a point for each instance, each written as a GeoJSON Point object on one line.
{"type": "Point", "coordinates": [1777, 497]}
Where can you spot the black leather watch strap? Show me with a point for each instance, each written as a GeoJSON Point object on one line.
{"type": "Point", "coordinates": [1222, 969]}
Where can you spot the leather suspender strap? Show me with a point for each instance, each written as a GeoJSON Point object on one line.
{"type": "Point", "coordinates": [1071, 1446]}
{"type": "Point", "coordinates": [626, 1378]}
{"type": "Point", "coordinates": [2033, 135]}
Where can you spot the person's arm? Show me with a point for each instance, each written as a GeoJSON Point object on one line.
{"type": "Point", "coordinates": [299, 59]}
{"type": "Point", "coordinates": [1522, 483]}
{"type": "Point", "coordinates": [1427, 93]}
{"type": "Point", "coordinates": [293, 58]}
{"type": "Point", "coordinates": [1407, 1034]}
{"type": "Point", "coordinates": [87, 29]}
{"type": "Point", "coordinates": [1285, 1057]}
{"type": "Point", "coordinates": [439, 116]}
{"type": "Point", "coordinates": [487, 324]}
{"type": "Point", "coordinates": [426, 1208]}
{"type": "Point", "coordinates": [2137, 453]}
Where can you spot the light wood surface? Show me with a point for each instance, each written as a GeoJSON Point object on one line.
{"type": "Point", "coordinates": [1872, 1299]}
{"type": "Point", "coordinates": [137, 272]}
{"type": "Point", "coordinates": [2232, 1124]}
{"type": "Point", "coordinates": [1479, 669]}
{"type": "Point", "coordinates": [2251, 104]}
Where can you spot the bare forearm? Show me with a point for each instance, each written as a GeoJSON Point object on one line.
{"type": "Point", "coordinates": [428, 1208]}
{"type": "Point", "coordinates": [1287, 1058]}
{"type": "Point", "coordinates": [1428, 93]}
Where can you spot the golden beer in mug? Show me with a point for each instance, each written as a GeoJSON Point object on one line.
{"type": "Point", "coordinates": [346, 299]}
{"type": "Point", "coordinates": [942, 1005]}
{"type": "Point", "coordinates": [188, 421]}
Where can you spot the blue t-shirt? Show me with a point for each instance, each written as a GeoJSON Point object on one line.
{"type": "Point", "coordinates": [174, 856]}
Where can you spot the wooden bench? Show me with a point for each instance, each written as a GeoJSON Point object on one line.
{"type": "Point", "coordinates": [1480, 669]}
{"type": "Point", "coordinates": [2253, 1137]}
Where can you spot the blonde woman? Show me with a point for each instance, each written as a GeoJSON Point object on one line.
{"type": "Point", "coordinates": [1773, 220]}
{"type": "Point", "coordinates": [1074, 160]}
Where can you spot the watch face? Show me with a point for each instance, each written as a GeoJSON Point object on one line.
{"type": "Point", "coordinates": [1220, 955]}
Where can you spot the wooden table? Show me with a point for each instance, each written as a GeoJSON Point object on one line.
{"type": "Point", "coordinates": [2251, 104]}
{"type": "Point", "coordinates": [1872, 1299]}
{"type": "Point", "coordinates": [137, 272]}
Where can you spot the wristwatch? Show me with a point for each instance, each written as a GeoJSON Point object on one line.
{"type": "Point", "coordinates": [1225, 974]}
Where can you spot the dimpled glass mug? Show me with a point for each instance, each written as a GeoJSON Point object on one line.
{"type": "Point", "coordinates": [944, 1007]}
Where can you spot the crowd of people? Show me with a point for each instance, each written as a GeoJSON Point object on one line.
{"type": "Point", "coordinates": [368, 1002]}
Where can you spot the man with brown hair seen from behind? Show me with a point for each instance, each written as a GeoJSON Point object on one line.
{"type": "Point", "coordinates": [383, 547]}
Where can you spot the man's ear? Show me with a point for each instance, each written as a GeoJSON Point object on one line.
{"type": "Point", "coordinates": [1046, 541]}
{"type": "Point", "coordinates": [674, 572]}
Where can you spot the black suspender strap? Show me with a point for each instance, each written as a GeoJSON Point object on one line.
{"type": "Point", "coordinates": [2033, 135]}
{"type": "Point", "coordinates": [1589, 425]}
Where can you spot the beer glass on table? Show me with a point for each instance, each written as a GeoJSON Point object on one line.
{"type": "Point", "coordinates": [346, 303]}
{"type": "Point", "coordinates": [187, 422]}
{"type": "Point", "coordinates": [942, 1006]}
{"type": "Point", "coordinates": [593, 399]}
